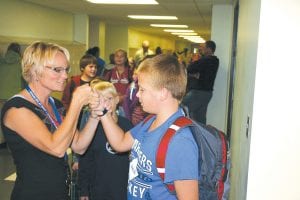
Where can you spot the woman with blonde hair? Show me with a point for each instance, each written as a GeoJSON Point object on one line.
{"type": "Point", "coordinates": [36, 128]}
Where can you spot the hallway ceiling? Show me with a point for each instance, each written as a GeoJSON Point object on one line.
{"type": "Point", "coordinates": [194, 13]}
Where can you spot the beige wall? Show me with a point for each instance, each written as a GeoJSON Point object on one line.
{"type": "Point", "coordinates": [20, 19]}
{"type": "Point", "coordinates": [116, 37]}
{"type": "Point", "coordinates": [34, 22]}
{"type": "Point", "coordinates": [222, 28]}
{"type": "Point", "coordinates": [136, 38]}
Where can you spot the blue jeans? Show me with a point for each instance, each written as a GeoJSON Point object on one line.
{"type": "Point", "coordinates": [197, 101]}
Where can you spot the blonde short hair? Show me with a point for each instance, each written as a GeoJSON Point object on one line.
{"type": "Point", "coordinates": [104, 86]}
{"type": "Point", "coordinates": [37, 55]}
{"type": "Point", "coordinates": [164, 71]}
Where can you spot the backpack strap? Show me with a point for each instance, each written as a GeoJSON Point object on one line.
{"type": "Point", "coordinates": [224, 171]}
{"type": "Point", "coordinates": [164, 144]}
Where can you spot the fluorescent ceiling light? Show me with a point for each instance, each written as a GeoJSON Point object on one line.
{"type": "Point", "coordinates": [152, 17]}
{"type": "Point", "coordinates": [179, 30]}
{"type": "Point", "coordinates": [169, 25]}
{"type": "Point", "coordinates": [190, 36]}
{"type": "Point", "coordinates": [195, 39]}
{"type": "Point", "coordinates": [176, 33]}
{"type": "Point", "coordinates": [152, 2]}
{"type": "Point", "coordinates": [200, 40]}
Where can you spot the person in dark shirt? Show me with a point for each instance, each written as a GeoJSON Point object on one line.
{"type": "Point", "coordinates": [36, 128]}
{"type": "Point", "coordinates": [201, 78]}
{"type": "Point", "coordinates": [103, 172]}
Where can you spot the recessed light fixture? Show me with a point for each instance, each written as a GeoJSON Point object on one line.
{"type": "Point", "coordinates": [195, 39]}
{"type": "Point", "coordinates": [176, 33]}
{"type": "Point", "coordinates": [146, 2]}
{"type": "Point", "coordinates": [179, 30]}
{"type": "Point", "coordinates": [152, 17]}
{"type": "Point", "coordinates": [169, 25]}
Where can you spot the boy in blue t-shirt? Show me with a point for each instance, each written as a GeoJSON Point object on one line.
{"type": "Point", "coordinates": [162, 83]}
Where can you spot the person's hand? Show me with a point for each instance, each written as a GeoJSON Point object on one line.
{"type": "Point", "coordinates": [81, 95]}
{"type": "Point", "coordinates": [84, 198]}
{"type": "Point", "coordinates": [75, 166]}
{"type": "Point", "coordinates": [94, 100]}
{"type": "Point", "coordinates": [101, 109]}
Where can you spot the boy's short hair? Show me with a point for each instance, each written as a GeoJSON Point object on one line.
{"type": "Point", "coordinates": [165, 72]}
{"type": "Point", "coordinates": [86, 60]}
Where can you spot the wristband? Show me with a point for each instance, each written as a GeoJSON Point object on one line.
{"type": "Point", "coordinates": [104, 111]}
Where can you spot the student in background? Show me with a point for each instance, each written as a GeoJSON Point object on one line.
{"type": "Point", "coordinates": [120, 75]}
{"type": "Point", "coordinates": [131, 105]}
{"type": "Point", "coordinates": [162, 84]}
{"type": "Point", "coordinates": [95, 51]}
{"type": "Point", "coordinates": [143, 52]}
{"type": "Point", "coordinates": [184, 57]}
{"type": "Point", "coordinates": [11, 80]}
{"type": "Point", "coordinates": [111, 63]}
{"type": "Point", "coordinates": [158, 51]}
{"type": "Point", "coordinates": [88, 68]}
{"type": "Point", "coordinates": [103, 172]}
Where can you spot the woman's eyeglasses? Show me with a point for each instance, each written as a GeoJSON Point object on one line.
{"type": "Point", "coordinates": [59, 70]}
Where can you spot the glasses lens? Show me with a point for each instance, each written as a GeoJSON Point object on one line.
{"type": "Point", "coordinates": [60, 69]}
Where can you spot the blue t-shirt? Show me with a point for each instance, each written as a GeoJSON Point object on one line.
{"type": "Point", "coordinates": [144, 181]}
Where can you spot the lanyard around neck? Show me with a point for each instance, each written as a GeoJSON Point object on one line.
{"type": "Point", "coordinates": [51, 101]}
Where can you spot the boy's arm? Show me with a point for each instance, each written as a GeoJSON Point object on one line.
{"type": "Point", "coordinates": [115, 135]}
{"type": "Point", "coordinates": [187, 189]}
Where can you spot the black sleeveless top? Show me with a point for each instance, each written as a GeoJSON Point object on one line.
{"type": "Point", "coordinates": [39, 175]}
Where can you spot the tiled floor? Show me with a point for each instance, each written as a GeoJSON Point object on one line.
{"type": "Point", "coordinates": [7, 170]}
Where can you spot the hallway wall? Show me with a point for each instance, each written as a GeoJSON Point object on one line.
{"type": "Point", "coordinates": [222, 28]}
{"type": "Point", "coordinates": [247, 42]}
{"type": "Point", "coordinates": [266, 90]}
{"type": "Point", "coordinates": [37, 22]}
{"type": "Point", "coordinates": [33, 23]}
{"type": "Point", "coordinates": [275, 137]}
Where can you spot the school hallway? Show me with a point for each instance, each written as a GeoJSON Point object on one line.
{"type": "Point", "coordinates": [258, 46]}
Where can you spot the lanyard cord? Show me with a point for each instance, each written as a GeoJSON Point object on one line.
{"type": "Point", "coordinates": [51, 101]}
